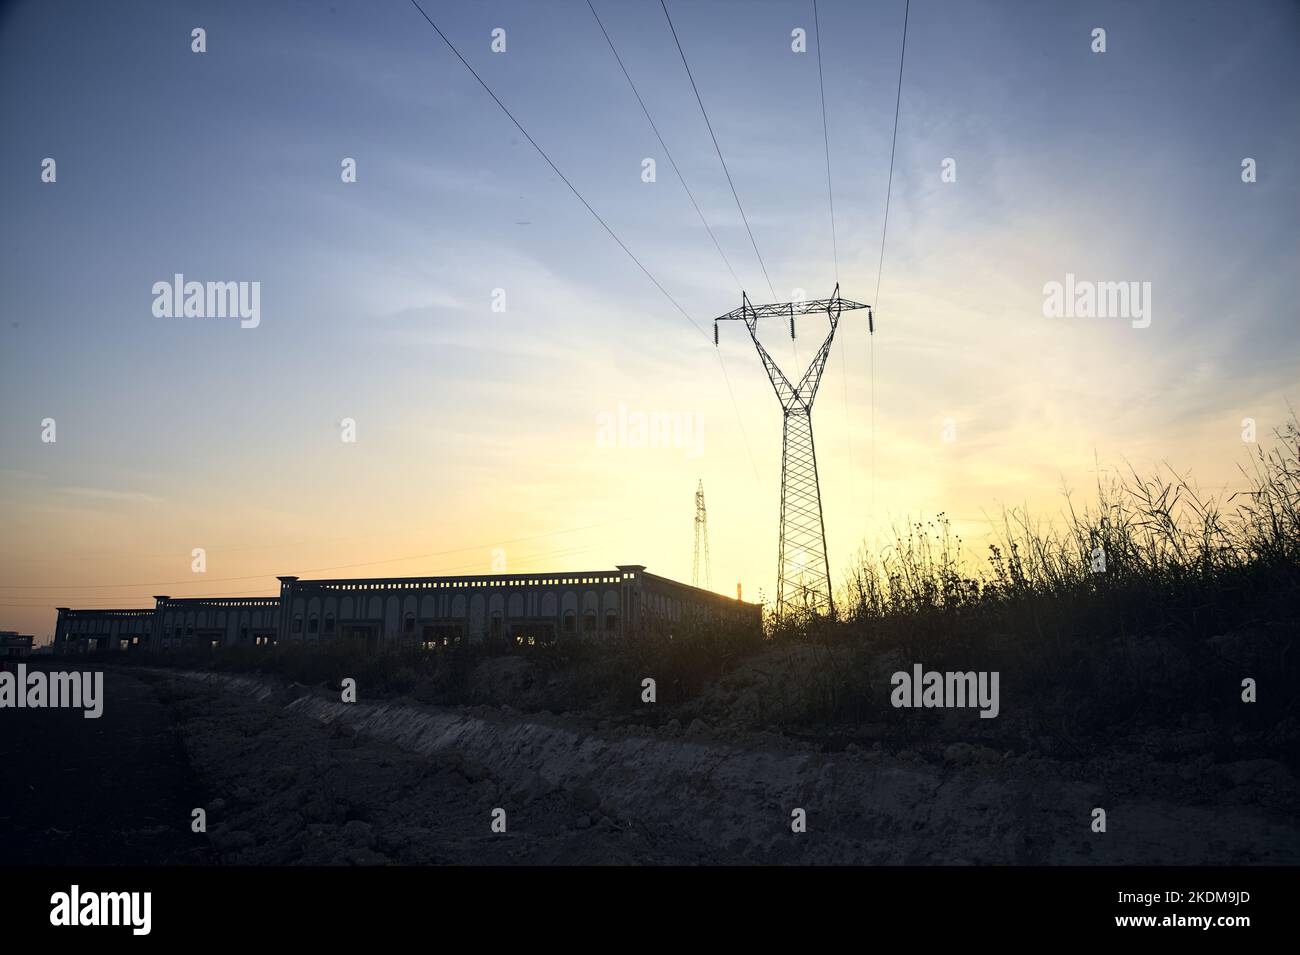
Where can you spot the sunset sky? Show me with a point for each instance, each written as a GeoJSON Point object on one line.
{"type": "Point", "coordinates": [479, 429]}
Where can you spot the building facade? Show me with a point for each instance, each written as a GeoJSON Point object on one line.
{"type": "Point", "coordinates": [524, 609]}
{"type": "Point", "coordinates": [15, 645]}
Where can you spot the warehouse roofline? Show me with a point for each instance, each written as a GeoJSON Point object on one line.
{"type": "Point", "coordinates": [444, 609]}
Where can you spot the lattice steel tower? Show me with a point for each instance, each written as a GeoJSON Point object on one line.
{"type": "Point", "coordinates": [701, 541]}
{"type": "Point", "coordinates": [803, 583]}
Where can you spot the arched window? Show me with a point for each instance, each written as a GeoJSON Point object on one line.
{"type": "Point", "coordinates": [611, 620]}
{"type": "Point", "coordinates": [408, 623]}
{"type": "Point", "coordinates": [570, 620]}
{"type": "Point", "coordinates": [329, 623]}
{"type": "Point", "coordinates": [589, 622]}
{"type": "Point", "coordinates": [313, 624]}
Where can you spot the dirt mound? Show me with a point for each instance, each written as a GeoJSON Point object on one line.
{"type": "Point", "coordinates": [424, 781]}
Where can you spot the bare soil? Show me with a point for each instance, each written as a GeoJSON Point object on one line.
{"type": "Point", "coordinates": [291, 774]}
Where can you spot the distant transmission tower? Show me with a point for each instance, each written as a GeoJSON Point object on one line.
{"type": "Point", "coordinates": [803, 582]}
{"type": "Point", "coordinates": [701, 541]}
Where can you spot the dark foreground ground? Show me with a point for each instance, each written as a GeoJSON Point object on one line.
{"type": "Point", "coordinates": [290, 775]}
{"type": "Point", "coordinates": [278, 788]}
{"type": "Point", "coordinates": [117, 789]}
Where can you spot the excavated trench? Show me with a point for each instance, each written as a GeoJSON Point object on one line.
{"type": "Point", "coordinates": [738, 801]}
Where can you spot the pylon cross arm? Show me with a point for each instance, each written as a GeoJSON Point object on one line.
{"type": "Point", "coordinates": [746, 311]}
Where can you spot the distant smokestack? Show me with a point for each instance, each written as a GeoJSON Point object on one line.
{"type": "Point", "coordinates": [738, 590]}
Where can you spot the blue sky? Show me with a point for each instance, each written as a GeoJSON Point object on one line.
{"type": "Point", "coordinates": [477, 427]}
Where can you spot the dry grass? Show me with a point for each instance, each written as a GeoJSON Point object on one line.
{"type": "Point", "coordinates": [1196, 595]}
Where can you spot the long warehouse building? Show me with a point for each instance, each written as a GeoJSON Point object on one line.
{"type": "Point", "coordinates": [527, 609]}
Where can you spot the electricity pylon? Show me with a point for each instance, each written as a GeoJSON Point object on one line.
{"type": "Point", "coordinates": [701, 541]}
{"type": "Point", "coordinates": [803, 582]}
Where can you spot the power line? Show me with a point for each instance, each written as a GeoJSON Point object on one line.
{"type": "Point", "coordinates": [603, 223]}
{"type": "Point", "coordinates": [556, 169]}
{"type": "Point", "coordinates": [717, 148]}
{"type": "Point", "coordinates": [826, 138]}
{"type": "Point", "coordinates": [892, 147]}
{"type": "Point", "coordinates": [681, 178]}
{"type": "Point", "coordinates": [830, 196]}
{"type": "Point", "coordinates": [664, 145]}
{"type": "Point", "coordinates": [893, 144]}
